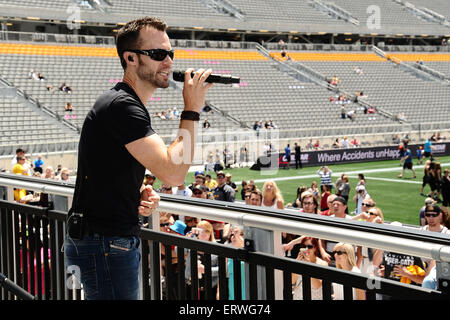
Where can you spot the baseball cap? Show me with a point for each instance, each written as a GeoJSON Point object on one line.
{"type": "Point", "coordinates": [198, 172]}
{"type": "Point", "coordinates": [199, 187]}
{"type": "Point", "coordinates": [340, 199]}
{"type": "Point", "coordinates": [429, 201]}
{"type": "Point", "coordinates": [360, 188]}
{"type": "Point", "coordinates": [220, 173]}
{"type": "Point", "coordinates": [149, 174]}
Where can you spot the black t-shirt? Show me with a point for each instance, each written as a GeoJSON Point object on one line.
{"type": "Point", "coordinates": [224, 193]}
{"type": "Point", "coordinates": [109, 177]}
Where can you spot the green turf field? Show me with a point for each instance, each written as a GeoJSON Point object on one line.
{"type": "Point", "coordinates": [399, 199]}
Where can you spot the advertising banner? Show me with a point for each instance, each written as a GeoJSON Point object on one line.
{"type": "Point", "coordinates": [350, 155]}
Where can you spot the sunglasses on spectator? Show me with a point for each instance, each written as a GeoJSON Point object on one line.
{"type": "Point", "coordinates": [367, 204]}
{"type": "Point", "coordinates": [338, 252]}
{"type": "Point", "coordinates": [156, 54]}
{"type": "Point", "coordinates": [373, 214]}
{"type": "Point", "coordinates": [198, 193]}
{"type": "Point", "coordinates": [309, 246]}
{"type": "Point", "coordinates": [164, 224]}
{"type": "Point", "coordinates": [431, 214]}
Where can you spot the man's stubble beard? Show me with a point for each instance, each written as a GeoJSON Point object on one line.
{"type": "Point", "coordinates": [149, 76]}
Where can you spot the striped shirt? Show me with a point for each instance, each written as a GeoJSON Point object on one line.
{"type": "Point", "coordinates": [325, 177]}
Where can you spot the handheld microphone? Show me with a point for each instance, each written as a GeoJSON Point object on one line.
{"type": "Point", "coordinates": [178, 75]}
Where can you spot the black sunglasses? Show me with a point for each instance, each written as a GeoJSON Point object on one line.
{"type": "Point", "coordinates": [431, 214]}
{"type": "Point", "coordinates": [164, 224]}
{"type": "Point", "coordinates": [309, 246]}
{"type": "Point", "coordinates": [156, 54]}
{"type": "Point", "coordinates": [338, 252]}
{"type": "Point", "coordinates": [367, 204]}
{"type": "Point", "coordinates": [373, 214]}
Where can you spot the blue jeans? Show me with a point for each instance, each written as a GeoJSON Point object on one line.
{"type": "Point", "coordinates": [109, 266]}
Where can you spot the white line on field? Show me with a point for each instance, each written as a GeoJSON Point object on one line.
{"type": "Point", "coordinates": [338, 174]}
{"type": "Point", "coordinates": [390, 180]}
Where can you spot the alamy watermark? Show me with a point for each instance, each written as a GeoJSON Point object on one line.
{"type": "Point", "coordinates": [374, 18]}
{"type": "Point", "coordinates": [74, 18]}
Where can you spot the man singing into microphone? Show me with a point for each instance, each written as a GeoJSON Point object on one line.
{"type": "Point", "coordinates": [118, 131]}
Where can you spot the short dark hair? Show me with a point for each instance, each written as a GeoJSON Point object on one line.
{"type": "Point", "coordinates": [20, 150]}
{"type": "Point", "coordinates": [258, 193]}
{"type": "Point", "coordinates": [128, 35]}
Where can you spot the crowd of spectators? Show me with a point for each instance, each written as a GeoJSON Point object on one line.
{"type": "Point", "coordinates": [63, 87]}
{"type": "Point", "coordinates": [268, 125]}
{"type": "Point", "coordinates": [22, 164]}
{"type": "Point", "coordinates": [169, 114]}
{"type": "Point", "coordinates": [325, 198]}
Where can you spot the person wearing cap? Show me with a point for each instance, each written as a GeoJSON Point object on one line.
{"type": "Point", "coordinates": [223, 191]}
{"type": "Point", "coordinates": [422, 220]}
{"type": "Point", "coordinates": [230, 183]}
{"type": "Point", "coordinates": [199, 191]}
{"type": "Point", "coordinates": [199, 180]}
{"type": "Point", "coordinates": [436, 218]}
{"type": "Point", "coordinates": [198, 172]}
{"type": "Point", "coordinates": [149, 178]}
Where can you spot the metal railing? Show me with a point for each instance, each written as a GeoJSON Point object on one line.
{"type": "Point", "coordinates": [29, 230]}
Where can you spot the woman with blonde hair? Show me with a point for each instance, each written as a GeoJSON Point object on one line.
{"type": "Point", "coordinates": [344, 254]}
{"type": "Point", "coordinates": [370, 258]}
{"type": "Point", "coordinates": [205, 232]}
{"type": "Point", "coordinates": [272, 197]}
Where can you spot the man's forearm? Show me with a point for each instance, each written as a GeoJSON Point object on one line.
{"type": "Point", "coordinates": [181, 150]}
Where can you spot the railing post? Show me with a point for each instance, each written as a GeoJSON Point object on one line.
{"type": "Point", "coordinates": [270, 242]}
{"type": "Point", "coordinates": [155, 255]}
{"type": "Point", "coordinates": [443, 277]}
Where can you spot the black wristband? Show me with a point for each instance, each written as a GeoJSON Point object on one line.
{"type": "Point", "coordinates": [190, 115]}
